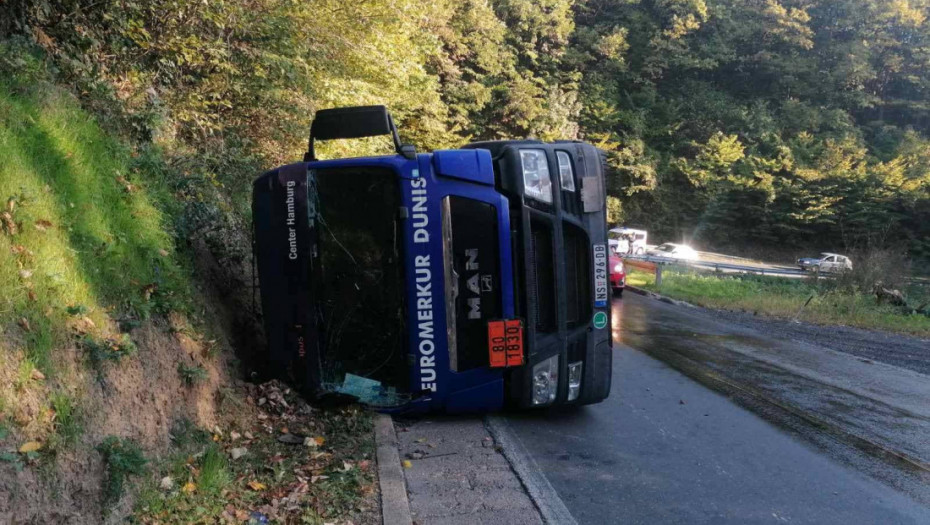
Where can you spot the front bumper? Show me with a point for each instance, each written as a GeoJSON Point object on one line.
{"type": "Point", "coordinates": [618, 280]}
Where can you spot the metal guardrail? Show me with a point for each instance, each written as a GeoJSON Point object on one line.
{"type": "Point", "coordinates": [652, 263]}
{"type": "Point", "coordinates": [643, 261]}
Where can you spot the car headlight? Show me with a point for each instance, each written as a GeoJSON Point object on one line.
{"type": "Point", "coordinates": [546, 381]}
{"type": "Point", "coordinates": [536, 180]}
{"type": "Point", "coordinates": [574, 380]}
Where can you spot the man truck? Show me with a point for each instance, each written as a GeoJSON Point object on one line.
{"type": "Point", "coordinates": [454, 281]}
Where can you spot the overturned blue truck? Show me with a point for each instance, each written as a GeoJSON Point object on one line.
{"type": "Point", "coordinates": [455, 281]}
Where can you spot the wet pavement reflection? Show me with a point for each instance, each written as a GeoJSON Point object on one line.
{"type": "Point", "coordinates": [663, 448]}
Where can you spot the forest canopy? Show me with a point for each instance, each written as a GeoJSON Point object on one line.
{"type": "Point", "coordinates": [728, 123]}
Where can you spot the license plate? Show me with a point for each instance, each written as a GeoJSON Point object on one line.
{"type": "Point", "coordinates": [600, 275]}
{"type": "Point", "coordinates": [505, 343]}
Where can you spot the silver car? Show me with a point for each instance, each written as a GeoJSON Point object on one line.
{"type": "Point", "coordinates": [827, 262]}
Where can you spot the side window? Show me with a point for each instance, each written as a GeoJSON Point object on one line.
{"type": "Point", "coordinates": [566, 176]}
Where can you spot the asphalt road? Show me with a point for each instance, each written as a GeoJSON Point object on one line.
{"type": "Point", "coordinates": [664, 448]}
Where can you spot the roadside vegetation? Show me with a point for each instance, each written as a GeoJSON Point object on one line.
{"type": "Point", "coordinates": [85, 251]}
{"type": "Point", "coordinates": [105, 339]}
{"type": "Point", "coordinates": [824, 301]}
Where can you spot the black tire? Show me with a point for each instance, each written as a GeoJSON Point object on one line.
{"type": "Point", "coordinates": [618, 292]}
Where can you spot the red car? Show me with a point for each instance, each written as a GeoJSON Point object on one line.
{"type": "Point", "coordinates": [617, 275]}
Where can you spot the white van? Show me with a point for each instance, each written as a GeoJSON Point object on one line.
{"type": "Point", "coordinates": [627, 241]}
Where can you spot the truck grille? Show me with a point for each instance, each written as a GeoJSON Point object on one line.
{"type": "Point", "coordinates": [577, 276]}
{"type": "Point", "coordinates": [542, 277]}
{"type": "Point", "coordinates": [473, 295]}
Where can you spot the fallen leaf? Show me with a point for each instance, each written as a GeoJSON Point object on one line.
{"type": "Point", "coordinates": [238, 452]}
{"type": "Point", "coordinates": [163, 252]}
{"type": "Point", "coordinates": [43, 225]}
{"type": "Point", "coordinates": [291, 439]}
{"type": "Point", "coordinates": [38, 376]}
{"type": "Point", "coordinates": [30, 446]}
{"type": "Point", "coordinates": [234, 435]}
{"type": "Point", "coordinates": [256, 486]}
{"type": "Point", "coordinates": [406, 463]}
{"type": "Point", "coordinates": [8, 223]}
{"type": "Point", "coordinates": [11, 205]}
{"type": "Point", "coordinates": [166, 483]}
{"type": "Point", "coordinates": [319, 440]}
{"type": "Point", "coordinates": [32, 295]}
{"type": "Point", "coordinates": [364, 464]}
{"type": "Point", "coordinates": [314, 479]}
{"type": "Point", "coordinates": [25, 274]}
{"type": "Point", "coordinates": [346, 466]}
{"type": "Point", "coordinates": [189, 487]}
{"type": "Point", "coordinates": [148, 290]}
{"type": "Point", "coordinates": [24, 324]}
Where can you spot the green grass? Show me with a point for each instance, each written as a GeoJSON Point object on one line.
{"type": "Point", "coordinates": [68, 421]}
{"type": "Point", "coordinates": [86, 239]}
{"type": "Point", "coordinates": [123, 458]}
{"type": "Point", "coordinates": [785, 298]}
{"type": "Point", "coordinates": [191, 374]}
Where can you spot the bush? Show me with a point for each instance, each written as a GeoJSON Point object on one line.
{"type": "Point", "coordinates": [123, 458]}
{"type": "Point", "coordinates": [191, 374]}
{"type": "Point", "coordinates": [890, 268]}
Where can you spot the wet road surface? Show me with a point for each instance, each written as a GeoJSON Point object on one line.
{"type": "Point", "coordinates": [665, 448]}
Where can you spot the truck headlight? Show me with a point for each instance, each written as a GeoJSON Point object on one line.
{"type": "Point", "coordinates": [536, 180]}
{"type": "Point", "coordinates": [618, 268]}
{"type": "Point", "coordinates": [574, 380]}
{"type": "Point", "coordinates": [546, 381]}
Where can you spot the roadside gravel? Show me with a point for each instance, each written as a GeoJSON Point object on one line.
{"type": "Point", "coordinates": [899, 350]}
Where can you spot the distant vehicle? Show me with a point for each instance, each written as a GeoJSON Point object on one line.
{"type": "Point", "coordinates": [617, 275]}
{"type": "Point", "coordinates": [674, 251]}
{"type": "Point", "coordinates": [627, 241]}
{"type": "Point", "coordinates": [827, 262]}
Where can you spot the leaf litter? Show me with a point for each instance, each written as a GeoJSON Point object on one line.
{"type": "Point", "coordinates": [292, 464]}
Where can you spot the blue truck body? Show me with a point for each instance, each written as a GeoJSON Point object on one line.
{"type": "Point", "coordinates": [450, 294]}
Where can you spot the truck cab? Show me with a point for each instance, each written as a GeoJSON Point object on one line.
{"type": "Point", "coordinates": [455, 281]}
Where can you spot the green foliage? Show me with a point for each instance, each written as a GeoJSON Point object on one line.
{"type": "Point", "coordinates": [214, 471]}
{"type": "Point", "coordinates": [191, 374]}
{"type": "Point", "coordinates": [764, 122]}
{"type": "Point", "coordinates": [101, 351]}
{"type": "Point", "coordinates": [68, 420]}
{"type": "Point", "coordinates": [123, 458]}
{"type": "Point", "coordinates": [732, 123]}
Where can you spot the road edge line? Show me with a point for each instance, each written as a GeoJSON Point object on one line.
{"type": "Point", "coordinates": [541, 492]}
{"type": "Point", "coordinates": [658, 297]}
{"type": "Point", "coordinates": [395, 508]}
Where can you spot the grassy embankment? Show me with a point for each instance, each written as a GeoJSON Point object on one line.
{"type": "Point", "coordinates": [785, 298]}
{"type": "Point", "coordinates": [84, 253]}
{"type": "Point", "coordinates": [114, 375]}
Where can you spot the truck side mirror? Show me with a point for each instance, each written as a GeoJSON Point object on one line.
{"type": "Point", "coordinates": [352, 123]}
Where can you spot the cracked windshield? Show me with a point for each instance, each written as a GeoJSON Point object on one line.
{"type": "Point", "coordinates": [481, 261]}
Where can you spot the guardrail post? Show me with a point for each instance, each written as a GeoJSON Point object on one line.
{"type": "Point", "coordinates": [658, 275]}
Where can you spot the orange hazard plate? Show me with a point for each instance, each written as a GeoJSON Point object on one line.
{"type": "Point", "coordinates": [505, 343]}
